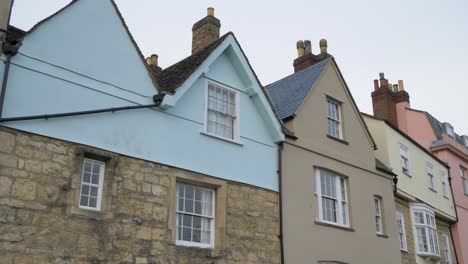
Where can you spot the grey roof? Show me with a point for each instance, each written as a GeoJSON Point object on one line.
{"type": "Point", "coordinates": [438, 128]}
{"type": "Point", "coordinates": [288, 93]}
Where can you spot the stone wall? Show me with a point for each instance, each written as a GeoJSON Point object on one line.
{"type": "Point", "coordinates": [407, 257]}
{"type": "Point", "coordinates": [40, 221]}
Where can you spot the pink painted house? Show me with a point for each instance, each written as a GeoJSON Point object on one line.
{"type": "Point", "coordinates": [391, 102]}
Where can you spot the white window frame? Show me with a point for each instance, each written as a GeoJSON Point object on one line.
{"type": "Point", "coordinates": [404, 155]}
{"type": "Point", "coordinates": [464, 179]}
{"type": "Point", "coordinates": [444, 181]}
{"type": "Point", "coordinates": [431, 178]}
{"type": "Point", "coordinates": [400, 218]}
{"type": "Point", "coordinates": [236, 123]}
{"type": "Point", "coordinates": [213, 219]}
{"type": "Point", "coordinates": [342, 203]}
{"type": "Point", "coordinates": [447, 253]}
{"type": "Point", "coordinates": [333, 119]}
{"type": "Point", "coordinates": [102, 167]}
{"type": "Point", "coordinates": [428, 213]}
{"type": "Point", "coordinates": [378, 215]}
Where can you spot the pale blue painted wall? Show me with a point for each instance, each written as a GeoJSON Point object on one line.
{"type": "Point", "coordinates": [171, 137]}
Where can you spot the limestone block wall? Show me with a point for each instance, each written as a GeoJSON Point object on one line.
{"type": "Point", "coordinates": [40, 221]}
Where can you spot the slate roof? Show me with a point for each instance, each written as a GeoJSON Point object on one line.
{"type": "Point", "coordinates": [288, 93]}
{"type": "Point", "coordinates": [438, 128]}
{"type": "Point", "coordinates": [175, 75]}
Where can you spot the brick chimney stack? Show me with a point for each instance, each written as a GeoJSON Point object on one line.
{"type": "Point", "coordinates": [386, 97]}
{"type": "Point", "coordinates": [305, 57]}
{"type": "Point", "coordinates": [205, 31]}
{"type": "Point", "coordinates": [152, 62]}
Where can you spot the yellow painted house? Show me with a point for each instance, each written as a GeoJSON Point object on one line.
{"type": "Point", "coordinates": [423, 197]}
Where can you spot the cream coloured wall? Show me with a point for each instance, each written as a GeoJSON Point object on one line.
{"type": "Point", "coordinates": [414, 184]}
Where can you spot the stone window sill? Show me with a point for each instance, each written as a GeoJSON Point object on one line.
{"type": "Point", "coordinates": [338, 139]}
{"type": "Point", "coordinates": [407, 173]}
{"type": "Point", "coordinates": [382, 236]}
{"type": "Point", "coordinates": [200, 251]}
{"type": "Point", "coordinates": [221, 138]}
{"type": "Point", "coordinates": [335, 226]}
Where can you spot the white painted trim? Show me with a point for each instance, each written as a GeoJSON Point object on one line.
{"type": "Point", "coordinates": [448, 257]}
{"type": "Point", "coordinates": [379, 204]}
{"type": "Point", "coordinates": [171, 100]}
{"type": "Point", "coordinates": [401, 217]}
{"type": "Point", "coordinates": [339, 212]}
{"type": "Point", "coordinates": [426, 210]}
{"type": "Point", "coordinates": [102, 166]}
{"type": "Point", "coordinates": [212, 222]}
{"type": "Point", "coordinates": [236, 129]}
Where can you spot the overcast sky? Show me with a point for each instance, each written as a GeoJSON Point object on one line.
{"type": "Point", "coordinates": [423, 42]}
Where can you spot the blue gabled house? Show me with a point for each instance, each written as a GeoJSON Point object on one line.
{"type": "Point", "coordinates": [121, 161]}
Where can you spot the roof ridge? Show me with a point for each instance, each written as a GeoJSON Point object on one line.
{"type": "Point", "coordinates": [294, 73]}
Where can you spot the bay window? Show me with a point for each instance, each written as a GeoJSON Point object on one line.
{"type": "Point", "coordinates": [424, 223]}
{"type": "Point", "coordinates": [331, 198]}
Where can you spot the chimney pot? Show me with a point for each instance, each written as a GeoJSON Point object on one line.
{"type": "Point", "coordinates": [152, 60]}
{"type": "Point", "coordinates": [376, 84]}
{"type": "Point", "coordinates": [300, 48]}
{"type": "Point", "coordinates": [395, 88]}
{"type": "Point", "coordinates": [401, 85]}
{"type": "Point", "coordinates": [307, 47]}
{"type": "Point", "coordinates": [382, 76]}
{"type": "Point", "coordinates": [210, 11]}
{"type": "Point", "coordinates": [323, 46]}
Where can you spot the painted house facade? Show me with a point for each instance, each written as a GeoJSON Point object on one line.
{"type": "Point", "coordinates": [337, 207]}
{"type": "Point", "coordinates": [393, 104]}
{"type": "Point", "coordinates": [424, 201]}
{"type": "Point", "coordinates": [128, 162]}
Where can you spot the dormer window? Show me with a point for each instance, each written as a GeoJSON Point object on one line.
{"type": "Point", "coordinates": [449, 130]}
{"type": "Point", "coordinates": [222, 112]}
{"type": "Point", "coordinates": [334, 119]}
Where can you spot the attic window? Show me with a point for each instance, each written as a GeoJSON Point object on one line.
{"type": "Point", "coordinates": [449, 130]}
{"type": "Point", "coordinates": [222, 112]}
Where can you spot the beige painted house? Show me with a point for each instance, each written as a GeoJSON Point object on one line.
{"type": "Point", "coordinates": [337, 207]}
{"type": "Point", "coordinates": [424, 200]}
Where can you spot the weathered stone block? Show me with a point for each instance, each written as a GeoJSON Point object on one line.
{"type": "Point", "coordinates": [146, 187]}
{"type": "Point", "coordinates": [5, 185]}
{"type": "Point", "coordinates": [7, 214]}
{"type": "Point", "coordinates": [24, 189]}
{"type": "Point", "coordinates": [33, 166]}
{"type": "Point", "coordinates": [56, 148]}
{"type": "Point", "coordinates": [7, 142]}
{"type": "Point", "coordinates": [51, 168]}
{"type": "Point", "coordinates": [15, 233]}
{"type": "Point", "coordinates": [144, 232]}
{"type": "Point", "coordinates": [8, 160]}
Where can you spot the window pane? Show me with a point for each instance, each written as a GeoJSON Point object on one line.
{"type": "Point", "coordinates": [84, 200]}
{"type": "Point", "coordinates": [187, 220]}
{"type": "Point", "coordinates": [86, 177]}
{"type": "Point", "coordinates": [85, 189]}
{"type": "Point", "coordinates": [96, 168]}
{"type": "Point", "coordinates": [205, 237]}
{"type": "Point", "coordinates": [87, 166]}
{"type": "Point", "coordinates": [94, 191]}
{"type": "Point", "coordinates": [92, 202]}
{"type": "Point", "coordinates": [95, 178]}
{"type": "Point", "coordinates": [198, 207]}
{"type": "Point", "coordinates": [197, 222]}
{"type": "Point", "coordinates": [196, 235]}
{"type": "Point", "coordinates": [180, 204]}
{"type": "Point", "coordinates": [187, 234]}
